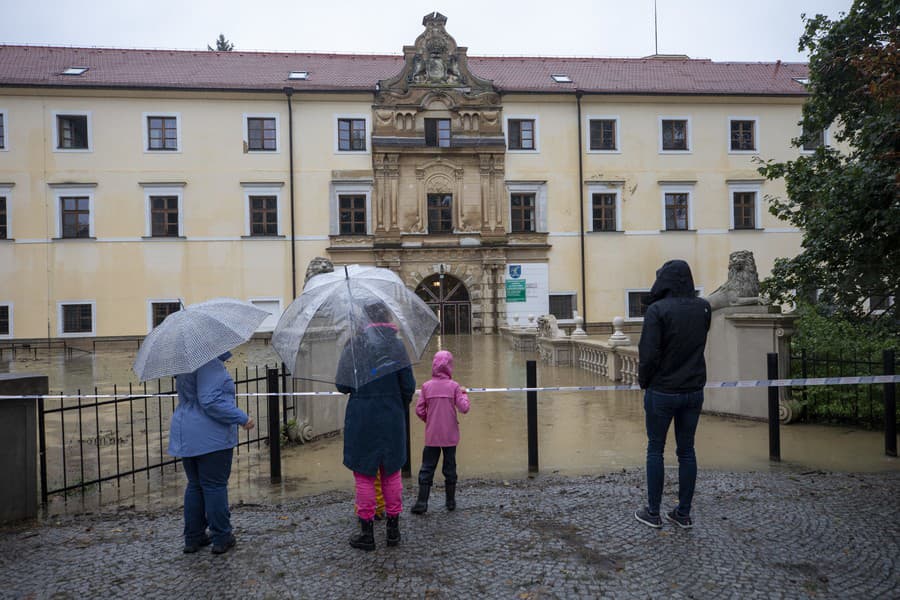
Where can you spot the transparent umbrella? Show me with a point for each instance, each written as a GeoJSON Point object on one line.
{"type": "Point", "coordinates": [189, 338]}
{"type": "Point", "coordinates": [352, 326]}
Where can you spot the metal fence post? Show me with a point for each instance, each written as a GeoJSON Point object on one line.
{"type": "Point", "coordinates": [42, 449]}
{"type": "Point", "coordinates": [274, 426]}
{"type": "Point", "coordinates": [531, 382]}
{"type": "Point", "coordinates": [774, 431]}
{"type": "Point", "coordinates": [890, 406]}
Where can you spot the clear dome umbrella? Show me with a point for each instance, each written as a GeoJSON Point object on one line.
{"type": "Point", "coordinates": [189, 338]}
{"type": "Point", "coordinates": [352, 326]}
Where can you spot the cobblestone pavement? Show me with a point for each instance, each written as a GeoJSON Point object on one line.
{"type": "Point", "coordinates": [757, 535]}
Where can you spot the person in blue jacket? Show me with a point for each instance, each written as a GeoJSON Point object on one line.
{"type": "Point", "coordinates": [203, 434]}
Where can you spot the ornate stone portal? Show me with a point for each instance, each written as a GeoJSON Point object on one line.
{"type": "Point", "coordinates": [439, 195]}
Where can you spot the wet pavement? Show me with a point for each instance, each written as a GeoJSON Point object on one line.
{"type": "Point", "coordinates": [757, 535]}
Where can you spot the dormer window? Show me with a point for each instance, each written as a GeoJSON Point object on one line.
{"type": "Point", "coordinates": [301, 75]}
{"type": "Point", "coordinates": [75, 71]}
{"type": "Point", "coordinates": [559, 78]}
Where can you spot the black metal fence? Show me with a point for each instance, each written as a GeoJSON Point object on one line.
{"type": "Point", "coordinates": [860, 405]}
{"type": "Point", "coordinates": [90, 441]}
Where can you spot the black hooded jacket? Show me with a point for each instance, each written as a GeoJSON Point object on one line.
{"type": "Point", "coordinates": [674, 333]}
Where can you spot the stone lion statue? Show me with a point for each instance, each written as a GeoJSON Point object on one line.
{"type": "Point", "coordinates": [548, 327]}
{"type": "Point", "coordinates": [742, 287]}
{"type": "Point", "coordinates": [317, 266]}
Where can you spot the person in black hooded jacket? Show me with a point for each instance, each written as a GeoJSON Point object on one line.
{"type": "Point", "coordinates": [672, 373]}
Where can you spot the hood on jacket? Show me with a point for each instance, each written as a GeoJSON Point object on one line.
{"type": "Point", "coordinates": [672, 279]}
{"type": "Point", "coordinates": [442, 365]}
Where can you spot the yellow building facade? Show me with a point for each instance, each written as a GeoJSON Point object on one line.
{"type": "Point", "coordinates": [496, 188]}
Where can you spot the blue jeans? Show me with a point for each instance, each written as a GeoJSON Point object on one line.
{"type": "Point", "coordinates": [206, 497]}
{"type": "Point", "coordinates": [659, 409]}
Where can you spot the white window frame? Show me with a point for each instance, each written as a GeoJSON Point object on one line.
{"type": "Point", "coordinates": [6, 191]}
{"type": "Point", "coordinates": [263, 189]}
{"type": "Point", "coordinates": [690, 133]}
{"type": "Point", "coordinates": [825, 140]}
{"type": "Point", "coordinates": [247, 116]}
{"type": "Point", "coordinates": [602, 188]}
{"type": "Point", "coordinates": [60, 321]}
{"type": "Point", "coordinates": [342, 188]}
{"type": "Point", "coordinates": [755, 135]}
{"type": "Point", "coordinates": [64, 192]}
{"type": "Point", "coordinates": [11, 333]}
{"type": "Point", "coordinates": [150, 303]}
{"type": "Point", "coordinates": [757, 209]}
{"type": "Point", "coordinates": [167, 189]}
{"type": "Point", "coordinates": [539, 189]}
{"type": "Point", "coordinates": [587, 133]}
{"type": "Point", "coordinates": [4, 114]}
{"type": "Point", "coordinates": [628, 306]}
{"type": "Point", "coordinates": [168, 115]}
{"type": "Point", "coordinates": [337, 148]}
{"type": "Point", "coordinates": [537, 133]}
{"type": "Point", "coordinates": [680, 188]}
{"type": "Point", "coordinates": [253, 301]}
{"type": "Point", "coordinates": [73, 113]}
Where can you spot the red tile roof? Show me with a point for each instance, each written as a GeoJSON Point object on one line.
{"type": "Point", "coordinates": [41, 66]}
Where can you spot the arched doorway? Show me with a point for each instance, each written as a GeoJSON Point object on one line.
{"type": "Point", "coordinates": [449, 299]}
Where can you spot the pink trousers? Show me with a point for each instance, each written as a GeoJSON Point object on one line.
{"type": "Point", "coordinates": [391, 486]}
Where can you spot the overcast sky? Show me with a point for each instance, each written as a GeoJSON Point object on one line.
{"type": "Point", "coordinates": [723, 30]}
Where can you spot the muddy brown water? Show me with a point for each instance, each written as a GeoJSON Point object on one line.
{"type": "Point", "coordinates": [578, 432]}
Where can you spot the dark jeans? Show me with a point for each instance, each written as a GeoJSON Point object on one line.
{"type": "Point", "coordinates": [659, 409]}
{"type": "Point", "coordinates": [206, 497]}
{"type": "Point", "coordinates": [430, 456]}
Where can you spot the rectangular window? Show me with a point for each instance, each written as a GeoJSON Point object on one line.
{"type": "Point", "coordinates": [562, 306]}
{"type": "Point", "coordinates": [352, 214]}
{"type": "Point", "coordinates": [162, 133]}
{"type": "Point", "coordinates": [743, 135]}
{"type": "Point", "coordinates": [352, 135]}
{"type": "Point", "coordinates": [72, 132]}
{"type": "Point", "coordinates": [437, 133]}
{"type": "Point", "coordinates": [261, 134]}
{"type": "Point", "coordinates": [879, 304]}
{"type": "Point", "coordinates": [744, 210]}
{"type": "Point", "coordinates": [161, 310]}
{"type": "Point", "coordinates": [263, 215]}
{"type": "Point", "coordinates": [674, 134]}
{"type": "Point", "coordinates": [521, 212]}
{"type": "Point", "coordinates": [2, 131]}
{"type": "Point", "coordinates": [676, 211]}
{"type": "Point", "coordinates": [440, 213]}
{"type": "Point", "coordinates": [521, 134]}
{"type": "Point", "coordinates": [603, 212]}
{"type": "Point", "coordinates": [164, 216]}
{"type": "Point", "coordinates": [636, 308]}
{"type": "Point", "coordinates": [4, 319]}
{"type": "Point", "coordinates": [77, 318]}
{"type": "Point", "coordinates": [4, 226]}
{"type": "Point", "coordinates": [603, 134]}
{"type": "Point", "coordinates": [813, 140]}
{"type": "Point", "coordinates": [76, 216]}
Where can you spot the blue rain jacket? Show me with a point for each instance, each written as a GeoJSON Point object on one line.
{"type": "Point", "coordinates": [207, 416]}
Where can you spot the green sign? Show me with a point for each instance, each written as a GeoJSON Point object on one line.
{"type": "Point", "coordinates": [515, 290]}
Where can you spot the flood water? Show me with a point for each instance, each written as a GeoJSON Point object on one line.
{"type": "Point", "coordinates": [578, 432]}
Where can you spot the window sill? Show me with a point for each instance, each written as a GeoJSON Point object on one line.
{"type": "Point", "coordinates": [605, 231]}
{"type": "Point", "coordinates": [678, 231]}
{"type": "Point", "coordinates": [263, 237]}
{"type": "Point", "coordinates": [750, 229]}
{"type": "Point", "coordinates": [746, 152]}
{"type": "Point", "coordinates": [163, 238]}
{"type": "Point", "coordinates": [7, 240]}
{"type": "Point", "coordinates": [522, 151]}
{"type": "Point", "coordinates": [675, 151]}
{"type": "Point", "coordinates": [74, 239]}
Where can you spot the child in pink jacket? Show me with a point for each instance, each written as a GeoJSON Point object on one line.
{"type": "Point", "coordinates": [438, 402]}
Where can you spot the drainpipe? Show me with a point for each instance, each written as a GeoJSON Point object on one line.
{"type": "Point", "coordinates": [288, 91]}
{"type": "Point", "coordinates": [578, 95]}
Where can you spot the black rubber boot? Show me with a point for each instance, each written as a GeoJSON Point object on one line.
{"type": "Point", "coordinates": [421, 504]}
{"type": "Point", "coordinates": [365, 539]}
{"type": "Point", "coordinates": [393, 530]}
{"type": "Point", "coordinates": [450, 492]}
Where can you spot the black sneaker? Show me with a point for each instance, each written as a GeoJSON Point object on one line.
{"type": "Point", "coordinates": [648, 519]}
{"type": "Point", "coordinates": [223, 548]}
{"type": "Point", "coordinates": [190, 548]}
{"type": "Point", "coordinates": [683, 521]}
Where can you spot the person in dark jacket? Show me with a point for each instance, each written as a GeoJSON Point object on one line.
{"type": "Point", "coordinates": [375, 423]}
{"type": "Point", "coordinates": [672, 371]}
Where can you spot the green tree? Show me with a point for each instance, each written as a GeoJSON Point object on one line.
{"type": "Point", "coordinates": [846, 202]}
{"type": "Point", "coordinates": [222, 45]}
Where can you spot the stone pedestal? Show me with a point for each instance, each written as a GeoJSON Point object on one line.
{"type": "Point", "coordinates": [739, 339]}
{"type": "Point", "coordinates": [19, 445]}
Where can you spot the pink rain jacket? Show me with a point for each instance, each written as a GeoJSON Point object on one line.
{"type": "Point", "coordinates": [438, 402]}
